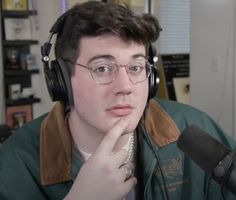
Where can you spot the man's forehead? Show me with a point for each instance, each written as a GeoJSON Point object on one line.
{"type": "Point", "coordinates": [108, 37]}
{"type": "Point", "coordinates": [109, 46]}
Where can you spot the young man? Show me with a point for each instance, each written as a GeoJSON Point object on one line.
{"type": "Point", "coordinates": [106, 139]}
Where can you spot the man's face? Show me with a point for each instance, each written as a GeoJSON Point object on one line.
{"type": "Point", "coordinates": [98, 107]}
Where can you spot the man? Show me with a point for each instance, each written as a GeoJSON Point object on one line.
{"type": "Point", "coordinates": [106, 139]}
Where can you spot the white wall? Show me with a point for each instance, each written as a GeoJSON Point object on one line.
{"type": "Point", "coordinates": [212, 59]}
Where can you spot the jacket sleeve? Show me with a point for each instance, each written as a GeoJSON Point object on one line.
{"type": "Point", "coordinates": [3, 191]}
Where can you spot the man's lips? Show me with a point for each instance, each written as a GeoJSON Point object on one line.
{"type": "Point", "coordinates": [120, 110]}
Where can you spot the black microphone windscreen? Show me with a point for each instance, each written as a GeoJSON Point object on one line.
{"type": "Point", "coordinates": [202, 148]}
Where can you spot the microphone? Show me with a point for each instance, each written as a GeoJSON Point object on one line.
{"type": "Point", "coordinates": [209, 154]}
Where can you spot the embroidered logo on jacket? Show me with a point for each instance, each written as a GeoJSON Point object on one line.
{"type": "Point", "coordinates": [172, 170]}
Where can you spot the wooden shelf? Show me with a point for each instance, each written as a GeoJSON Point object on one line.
{"type": "Point", "coordinates": [18, 13]}
{"type": "Point", "coordinates": [20, 72]}
{"type": "Point", "coordinates": [17, 76]}
{"type": "Point", "coordinates": [22, 101]}
{"type": "Point", "coordinates": [19, 42]}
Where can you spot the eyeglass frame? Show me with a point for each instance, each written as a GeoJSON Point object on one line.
{"type": "Point", "coordinates": [147, 63]}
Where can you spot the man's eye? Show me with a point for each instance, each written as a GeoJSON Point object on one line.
{"type": "Point", "coordinates": [103, 69]}
{"type": "Point", "coordinates": [136, 69]}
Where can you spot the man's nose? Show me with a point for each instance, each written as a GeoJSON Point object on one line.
{"type": "Point", "coordinates": [122, 83]}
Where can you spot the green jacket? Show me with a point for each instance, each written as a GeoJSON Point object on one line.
{"type": "Point", "coordinates": [37, 161]}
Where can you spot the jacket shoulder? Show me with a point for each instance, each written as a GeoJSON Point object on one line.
{"type": "Point", "coordinates": [183, 112]}
{"type": "Point", "coordinates": [27, 134]}
{"type": "Point", "coordinates": [186, 115]}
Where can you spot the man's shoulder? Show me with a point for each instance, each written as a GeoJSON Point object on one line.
{"type": "Point", "coordinates": [182, 112]}
{"type": "Point", "coordinates": [171, 106]}
{"type": "Point", "coordinates": [19, 158]}
{"type": "Point", "coordinates": [185, 115]}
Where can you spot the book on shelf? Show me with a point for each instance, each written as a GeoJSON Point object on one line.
{"type": "Point", "coordinates": [28, 61]}
{"type": "Point", "coordinates": [16, 116]}
{"type": "Point", "coordinates": [14, 91]}
{"type": "Point", "coordinates": [17, 29]}
{"type": "Point", "coordinates": [12, 58]}
{"type": "Point", "coordinates": [17, 5]}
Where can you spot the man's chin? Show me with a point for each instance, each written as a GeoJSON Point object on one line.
{"type": "Point", "coordinates": [129, 129]}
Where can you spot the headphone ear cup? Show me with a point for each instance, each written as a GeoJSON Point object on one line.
{"type": "Point", "coordinates": [154, 75]}
{"type": "Point", "coordinates": [58, 82]}
{"type": "Point", "coordinates": [153, 83]}
{"type": "Point", "coordinates": [65, 82]}
{"type": "Point", "coordinates": [52, 84]}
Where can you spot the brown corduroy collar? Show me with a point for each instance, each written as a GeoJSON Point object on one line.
{"type": "Point", "coordinates": [55, 140]}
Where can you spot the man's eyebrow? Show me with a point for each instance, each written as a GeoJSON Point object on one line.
{"type": "Point", "coordinates": [138, 56]}
{"type": "Point", "coordinates": [110, 57]}
{"type": "Point", "coordinates": [105, 56]}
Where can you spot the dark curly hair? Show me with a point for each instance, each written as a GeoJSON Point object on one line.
{"type": "Point", "coordinates": [94, 18]}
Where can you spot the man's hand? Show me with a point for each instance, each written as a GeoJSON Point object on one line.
{"type": "Point", "coordinates": [103, 176]}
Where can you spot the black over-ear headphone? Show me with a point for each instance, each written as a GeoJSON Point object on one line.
{"type": "Point", "coordinates": [57, 74]}
{"type": "Point", "coordinates": [154, 75]}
